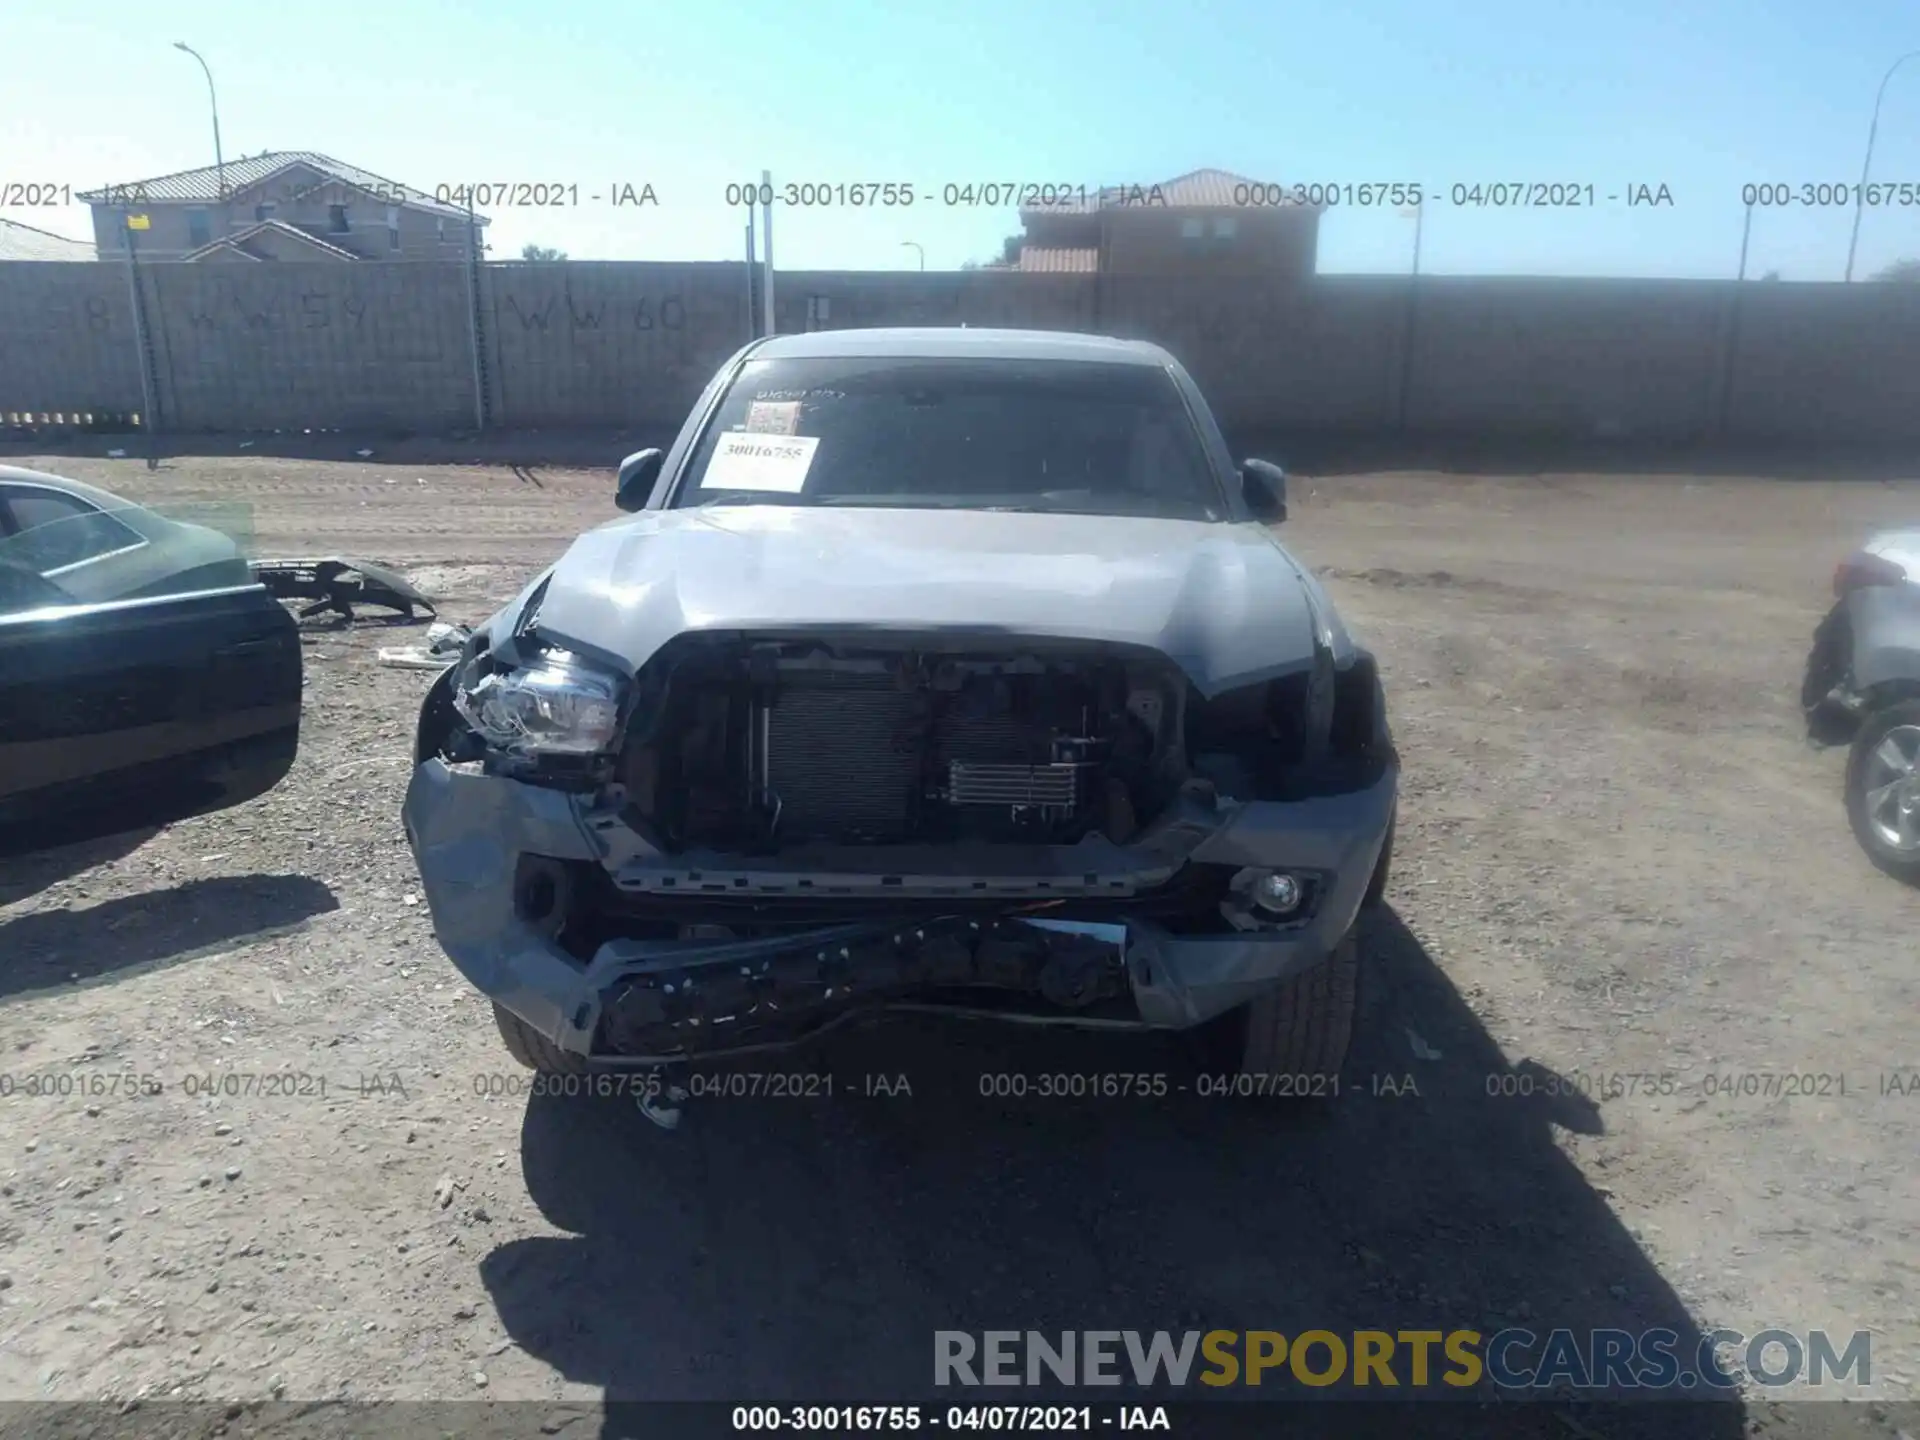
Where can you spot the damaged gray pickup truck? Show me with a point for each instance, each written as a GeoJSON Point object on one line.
{"type": "Point", "coordinates": [1861, 688]}
{"type": "Point", "coordinates": [939, 669]}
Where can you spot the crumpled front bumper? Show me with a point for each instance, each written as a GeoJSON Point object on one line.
{"type": "Point", "coordinates": [1868, 642]}
{"type": "Point", "coordinates": [469, 829]}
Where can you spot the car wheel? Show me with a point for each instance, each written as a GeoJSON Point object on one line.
{"type": "Point", "coordinates": [532, 1049]}
{"type": "Point", "coordinates": [1301, 1030]}
{"type": "Point", "coordinates": [1883, 789]}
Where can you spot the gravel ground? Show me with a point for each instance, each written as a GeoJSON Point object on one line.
{"type": "Point", "coordinates": [1617, 858]}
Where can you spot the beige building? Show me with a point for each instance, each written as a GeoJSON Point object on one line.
{"type": "Point", "coordinates": [1206, 222]}
{"type": "Point", "coordinates": [29, 242]}
{"type": "Point", "coordinates": [278, 205]}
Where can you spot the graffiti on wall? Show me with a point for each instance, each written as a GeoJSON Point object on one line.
{"type": "Point", "coordinates": [566, 314]}
{"type": "Point", "coordinates": [228, 308]}
{"type": "Point", "coordinates": [99, 315]}
{"type": "Point", "coordinates": [328, 314]}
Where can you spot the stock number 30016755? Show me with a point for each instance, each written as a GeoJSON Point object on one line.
{"type": "Point", "coordinates": [838, 1419]}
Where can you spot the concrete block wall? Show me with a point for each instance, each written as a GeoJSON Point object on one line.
{"type": "Point", "coordinates": [625, 344]}
{"type": "Point", "coordinates": [389, 345]}
{"type": "Point", "coordinates": [1570, 357]}
{"type": "Point", "coordinates": [859, 300]}
{"type": "Point", "coordinates": [1319, 356]}
{"type": "Point", "coordinates": [67, 339]}
{"type": "Point", "coordinates": [1827, 361]}
{"type": "Point", "coordinates": [315, 344]}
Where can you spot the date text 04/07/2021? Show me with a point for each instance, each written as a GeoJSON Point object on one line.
{"type": "Point", "coordinates": [704, 1084]}
{"type": "Point", "coordinates": [545, 194]}
{"type": "Point", "coordinates": [1244, 195]}
{"type": "Point", "coordinates": [1469, 195]}
{"type": "Point", "coordinates": [975, 194]}
{"type": "Point", "coordinates": [842, 1419]}
{"type": "Point", "coordinates": [195, 1084]}
{"type": "Point", "coordinates": [1664, 1084]}
{"type": "Point", "coordinates": [727, 1084]}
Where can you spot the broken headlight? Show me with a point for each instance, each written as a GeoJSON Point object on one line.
{"type": "Point", "coordinates": [1321, 730]}
{"type": "Point", "coordinates": [556, 705]}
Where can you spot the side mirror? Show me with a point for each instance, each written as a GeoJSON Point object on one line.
{"type": "Point", "coordinates": [1265, 486]}
{"type": "Point", "coordinates": [637, 474]}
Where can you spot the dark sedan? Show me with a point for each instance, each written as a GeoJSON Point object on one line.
{"type": "Point", "coordinates": [145, 674]}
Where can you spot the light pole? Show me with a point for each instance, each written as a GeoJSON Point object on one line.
{"type": "Point", "coordinates": [1418, 214]}
{"type": "Point", "coordinates": [219, 161]}
{"type": "Point", "coordinates": [753, 257]}
{"type": "Point", "coordinates": [918, 249]}
{"type": "Point", "coordinates": [766, 241]}
{"type": "Point", "coordinates": [1873, 130]}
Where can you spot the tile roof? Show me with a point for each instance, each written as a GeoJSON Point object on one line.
{"type": "Point", "coordinates": [203, 183]}
{"type": "Point", "coordinates": [238, 241]}
{"type": "Point", "coordinates": [1195, 190]}
{"type": "Point", "coordinates": [24, 242]}
{"type": "Point", "coordinates": [1057, 259]}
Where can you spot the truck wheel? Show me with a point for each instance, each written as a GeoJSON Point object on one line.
{"type": "Point", "coordinates": [1302, 1029]}
{"type": "Point", "coordinates": [1883, 789]}
{"type": "Point", "coordinates": [532, 1049]}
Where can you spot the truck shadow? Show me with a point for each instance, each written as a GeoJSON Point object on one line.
{"type": "Point", "coordinates": [789, 1249]}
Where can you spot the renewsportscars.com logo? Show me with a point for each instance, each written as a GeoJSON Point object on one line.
{"type": "Point", "coordinates": [1378, 1360]}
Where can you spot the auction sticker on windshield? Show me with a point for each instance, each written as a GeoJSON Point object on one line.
{"type": "Point", "coordinates": [773, 417]}
{"type": "Point", "coordinates": [746, 461]}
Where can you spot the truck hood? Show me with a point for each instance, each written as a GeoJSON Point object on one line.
{"type": "Point", "coordinates": [1222, 601]}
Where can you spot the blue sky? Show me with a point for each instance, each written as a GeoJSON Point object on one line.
{"type": "Point", "coordinates": [1702, 96]}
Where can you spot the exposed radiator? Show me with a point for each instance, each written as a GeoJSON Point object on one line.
{"type": "Point", "coordinates": [841, 756]}
{"type": "Point", "coordinates": [849, 757]}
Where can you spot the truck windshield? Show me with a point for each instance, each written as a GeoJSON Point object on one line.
{"type": "Point", "coordinates": [1062, 436]}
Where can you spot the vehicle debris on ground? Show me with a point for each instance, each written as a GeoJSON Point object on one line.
{"type": "Point", "coordinates": [336, 583]}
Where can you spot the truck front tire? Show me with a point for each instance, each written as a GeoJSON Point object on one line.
{"type": "Point", "coordinates": [532, 1049]}
{"type": "Point", "coordinates": [1301, 1030]}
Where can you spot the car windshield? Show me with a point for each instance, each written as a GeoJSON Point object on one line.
{"type": "Point", "coordinates": [1061, 436]}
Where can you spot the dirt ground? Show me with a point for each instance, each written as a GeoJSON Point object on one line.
{"type": "Point", "coordinates": [1617, 858]}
